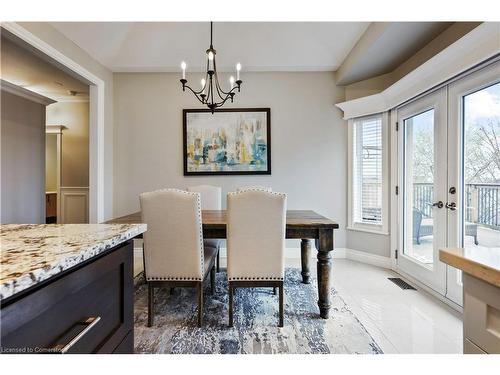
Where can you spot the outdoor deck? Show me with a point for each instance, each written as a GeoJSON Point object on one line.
{"type": "Point", "coordinates": [487, 238]}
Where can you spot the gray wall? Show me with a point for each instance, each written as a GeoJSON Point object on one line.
{"type": "Point", "coordinates": [309, 139]}
{"type": "Point", "coordinates": [376, 244]}
{"type": "Point", "coordinates": [23, 160]}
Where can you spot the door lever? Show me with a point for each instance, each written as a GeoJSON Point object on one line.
{"type": "Point", "coordinates": [452, 206]}
{"type": "Point", "coordinates": [438, 204]}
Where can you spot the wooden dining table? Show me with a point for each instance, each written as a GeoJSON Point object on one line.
{"type": "Point", "coordinates": [300, 224]}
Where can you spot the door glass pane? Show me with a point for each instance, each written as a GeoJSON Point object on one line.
{"type": "Point", "coordinates": [419, 166]}
{"type": "Point", "coordinates": [481, 169]}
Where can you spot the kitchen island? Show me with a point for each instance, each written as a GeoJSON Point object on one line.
{"type": "Point", "coordinates": [481, 291]}
{"type": "Point", "coordinates": [67, 288]}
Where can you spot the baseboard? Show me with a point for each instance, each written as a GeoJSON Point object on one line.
{"type": "Point", "coordinates": [368, 258]}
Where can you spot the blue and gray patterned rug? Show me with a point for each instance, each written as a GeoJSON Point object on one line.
{"type": "Point", "coordinates": [255, 326]}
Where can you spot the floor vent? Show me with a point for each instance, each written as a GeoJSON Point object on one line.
{"type": "Point", "coordinates": [401, 283]}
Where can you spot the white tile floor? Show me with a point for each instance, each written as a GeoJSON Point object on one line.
{"type": "Point", "coordinates": [400, 321]}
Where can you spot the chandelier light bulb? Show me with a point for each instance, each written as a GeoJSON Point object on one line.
{"type": "Point", "coordinates": [183, 67]}
{"type": "Point", "coordinates": [210, 55]}
{"type": "Point", "coordinates": [203, 82]}
{"type": "Point", "coordinates": [231, 81]}
{"type": "Point", "coordinates": [238, 68]}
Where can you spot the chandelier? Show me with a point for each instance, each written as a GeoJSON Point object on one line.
{"type": "Point", "coordinates": [211, 93]}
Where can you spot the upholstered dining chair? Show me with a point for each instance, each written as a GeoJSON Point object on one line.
{"type": "Point", "coordinates": [173, 245]}
{"type": "Point", "coordinates": [211, 197]}
{"type": "Point", "coordinates": [255, 187]}
{"type": "Point", "coordinates": [256, 221]}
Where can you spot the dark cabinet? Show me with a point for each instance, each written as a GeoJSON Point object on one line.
{"type": "Point", "coordinates": [86, 309]}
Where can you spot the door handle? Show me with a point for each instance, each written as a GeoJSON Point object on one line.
{"type": "Point", "coordinates": [89, 323]}
{"type": "Point", "coordinates": [438, 204]}
{"type": "Point", "coordinates": [451, 206]}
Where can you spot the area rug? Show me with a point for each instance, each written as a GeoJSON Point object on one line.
{"type": "Point", "coordinates": [255, 322]}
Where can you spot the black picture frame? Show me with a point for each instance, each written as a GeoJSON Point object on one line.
{"type": "Point", "coordinates": [185, 125]}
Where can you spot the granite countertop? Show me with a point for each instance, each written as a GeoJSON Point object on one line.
{"type": "Point", "coordinates": [31, 253]}
{"type": "Point", "coordinates": [482, 263]}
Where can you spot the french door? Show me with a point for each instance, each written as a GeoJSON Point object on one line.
{"type": "Point", "coordinates": [449, 177]}
{"type": "Point", "coordinates": [474, 167]}
{"type": "Point", "coordinates": [422, 157]}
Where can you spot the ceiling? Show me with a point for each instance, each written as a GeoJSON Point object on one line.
{"type": "Point", "coordinates": [258, 46]}
{"type": "Point", "coordinates": [24, 67]}
{"type": "Point", "coordinates": [385, 46]}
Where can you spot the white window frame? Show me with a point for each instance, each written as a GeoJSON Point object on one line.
{"type": "Point", "coordinates": [366, 227]}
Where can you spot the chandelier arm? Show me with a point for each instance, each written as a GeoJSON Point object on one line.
{"type": "Point", "coordinates": [218, 83]}
{"type": "Point", "coordinates": [219, 90]}
{"type": "Point", "coordinates": [195, 93]}
{"type": "Point", "coordinates": [224, 100]}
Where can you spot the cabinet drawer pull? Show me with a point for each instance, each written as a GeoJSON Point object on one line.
{"type": "Point", "coordinates": [89, 322]}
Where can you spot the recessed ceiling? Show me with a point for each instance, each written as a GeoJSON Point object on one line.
{"type": "Point", "coordinates": [258, 46]}
{"type": "Point", "coordinates": [385, 46]}
{"type": "Point", "coordinates": [24, 67]}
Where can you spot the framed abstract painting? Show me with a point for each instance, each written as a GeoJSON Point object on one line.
{"type": "Point", "coordinates": [227, 142]}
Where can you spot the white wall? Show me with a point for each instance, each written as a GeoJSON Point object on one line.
{"type": "Point", "coordinates": [308, 139]}
{"type": "Point", "coordinates": [22, 160]}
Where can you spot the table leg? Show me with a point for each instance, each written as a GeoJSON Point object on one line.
{"type": "Point", "coordinates": [324, 246]}
{"type": "Point", "coordinates": [305, 256]}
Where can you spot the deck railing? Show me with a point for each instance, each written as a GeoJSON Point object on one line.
{"type": "Point", "coordinates": [482, 202]}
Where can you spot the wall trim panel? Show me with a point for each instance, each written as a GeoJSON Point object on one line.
{"type": "Point", "coordinates": [72, 200]}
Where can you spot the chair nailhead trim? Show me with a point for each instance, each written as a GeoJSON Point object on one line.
{"type": "Point", "coordinates": [173, 278]}
{"type": "Point", "coordinates": [256, 189]}
{"type": "Point", "coordinates": [256, 278]}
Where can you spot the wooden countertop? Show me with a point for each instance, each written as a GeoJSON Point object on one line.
{"type": "Point", "coordinates": [482, 263]}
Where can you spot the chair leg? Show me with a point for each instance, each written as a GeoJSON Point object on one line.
{"type": "Point", "coordinates": [275, 290]}
{"type": "Point", "coordinates": [212, 280]}
{"type": "Point", "coordinates": [150, 304]}
{"type": "Point", "coordinates": [218, 260]}
{"type": "Point", "coordinates": [200, 304]}
{"type": "Point", "coordinates": [231, 292]}
{"type": "Point", "coordinates": [282, 313]}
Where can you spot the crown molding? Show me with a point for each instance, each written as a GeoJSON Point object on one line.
{"type": "Point", "coordinates": [24, 93]}
{"type": "Point", "coordinates": [479, 45]}
{"type": "Point", "coordinates": [71, 99]}
{"type": "Point", "coordinates": [54, 129]}
{"type": "Point", "coordinates": [224, 69]}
